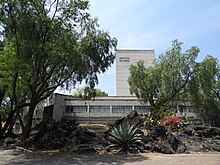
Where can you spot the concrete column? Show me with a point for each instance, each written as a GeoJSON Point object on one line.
{"type": "Point", "coordinates": [110, 110]}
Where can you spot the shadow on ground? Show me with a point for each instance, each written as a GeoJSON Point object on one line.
{"type": "Point", "coordinates": [15, 158]}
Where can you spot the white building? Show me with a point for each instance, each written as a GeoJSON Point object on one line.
{"type": "Point", "coordinates": [105, 109]}
{"type": "Point", "coordinates": [124, 59]}
{"type": "Point", "coordinates": [98, 110]}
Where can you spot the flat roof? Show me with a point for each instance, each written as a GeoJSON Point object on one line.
{"type": "Point", "coordinates": [135, 50]}
{"type": "Point", "coordinates": [71, 97]}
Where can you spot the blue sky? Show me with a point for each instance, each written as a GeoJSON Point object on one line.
{"type": "Point", "coordinates": [153, 24]}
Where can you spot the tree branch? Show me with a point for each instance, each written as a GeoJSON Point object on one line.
{"type": "Point", "coordinates": [176, 92]}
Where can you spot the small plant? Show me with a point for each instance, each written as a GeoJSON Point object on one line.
{"type": "Point", "coordinates": [125, 138]}
{"type": "Point", "coordinates": [149, 122]}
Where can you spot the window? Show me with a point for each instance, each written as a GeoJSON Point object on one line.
{"type": "Point", "coordinates": [101, 109]}
{"type": "Point", "coordinates": [76, 109]}
{"type": "Point", "coordinates": [187, 109]}
{"type": "Point", "coordinates": [121, 109]}
{"type": "Point", "coordinates": [142, 109]}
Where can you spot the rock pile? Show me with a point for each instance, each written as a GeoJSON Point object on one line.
{"type": "Point", "coordinates": [66, 135]}
{"type": "Point", "coordinates": [132, 118]}
{"type": "Point", "coordinates": [188, 139]}
{"type": "Point", "coordinates": [200, 138]}
{"type": "Point", "coordinates": [71, 137]}
{"type": "Point", "coordinates": [159, 139]}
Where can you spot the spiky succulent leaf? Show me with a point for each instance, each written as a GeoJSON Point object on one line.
{"type": "Point", "coordinates": [125, 138]}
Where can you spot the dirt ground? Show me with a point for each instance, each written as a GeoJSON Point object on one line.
{"type": "Point", "coordinates": [14, 157]}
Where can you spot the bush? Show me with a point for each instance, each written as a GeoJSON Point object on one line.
{"type": "Point", "coordinates": [125, 138]}
{"type": "Point", "coordinates": [156, 115]}
{"type": "Point", "coordinates": [172, 121]}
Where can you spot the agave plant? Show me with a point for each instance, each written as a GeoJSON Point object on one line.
{"type": "Point", "coordinates": [125, 138]}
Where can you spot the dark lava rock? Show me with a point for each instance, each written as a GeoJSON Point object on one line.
{"type": "Point", "coordinates": [181, 149]}
{"type": "Point", "coordinates": [132, 118]}
{"type": "Point", "coordinates": [188, 130]}
{"type": "Point", "coordinates": [190, 139]}
{"type": "Point", "coordinates": [163, 139]}
{"type": "Point", "coordinates": [69, 136]}
{"type": "Point", "coordinates": [132, 114]}
{"type": "Point", "coordinates": [166, 148]}
{"type": "Point", "coordinates": [64, 134]}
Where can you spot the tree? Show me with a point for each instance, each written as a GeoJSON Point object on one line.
{"type": "Point", "coordinates": [58, 44]}
{"type": "Point", "coordinates": [88, 93]}
{"type": "Point", "coordinates": [204, 90]}
{"type": "Point", "coordinates": [7, 67]}
{"type": "Point", "coordinates": [165, 82]}
{"type": "Point", "coordinates": [99, 92]}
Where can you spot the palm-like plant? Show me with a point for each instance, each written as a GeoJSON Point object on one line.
{"type": "Point", "coordinates": [125, 138]}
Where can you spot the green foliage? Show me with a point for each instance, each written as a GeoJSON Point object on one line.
{"type": "Point", "coordinates": [157, 114]}
{"type": "Point", "coordinates": [149, 121]}
{"type": "Point", "coordinates": [99, 92]}
{"type": "Point", "coordinates": [163, 84]}
{"type": "Point", "coordinates": [143, 82]}
{"type": "Point", "coordinates": [57, 41]}
{"type": "Point", "coordinates": [176, 78]}
{"type": "Point", "coordinates": [7, 64]}
{"type": "Point", "coordinates": [88, 93]}
{"type": "Point", "coordinates": [204, 90]}
{"type": "Point", "coordinates": [124, 138]}
{"type": "Point", "coordinates": [55, 44]}
{"type": "Point", "coordinates": [205, 80]}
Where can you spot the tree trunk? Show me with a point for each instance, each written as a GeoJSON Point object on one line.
{"type": "Point", "coordinates": [13, 102]}
{"type": "Point", "coordinates": [0, 122]}
{"type": "Point", "coordinates": [11, 125]}
{"type": "Point", "coordinates": [21, 122]}
{"type": "Point", "coordinates": [8, 122]}
{"type": "Point", "coordinates": [151, 100]}
{"type": "Point", "coordinates": [28, 124]}
{"type": "Point", "coordinates": [10, 119]}
{"type": "Point", "coordinates": [2, 94]}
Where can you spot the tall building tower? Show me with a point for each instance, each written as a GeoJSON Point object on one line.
{"type": "Point", "coordinates": [124, 59]}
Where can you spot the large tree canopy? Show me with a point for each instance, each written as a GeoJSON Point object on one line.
{"type": "Point", "coordinates": [176, 78]}
{"type": "Point", "coordinates": [88, 93]}
{"type": "Point", "coordinates": [58, 44]}
{"type": "Point", "coordinates": [204, 90]}
{"type": "Point", "coordinates": [166, 80]}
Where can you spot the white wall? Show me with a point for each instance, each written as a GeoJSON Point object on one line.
{"type": "Point", "coordinates": [124, 59]}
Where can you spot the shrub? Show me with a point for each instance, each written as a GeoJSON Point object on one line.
{"type": "Point", "coordinates": [156, 115]}
{"type": "Point", "coordinates": [125, 138]}
{"type": "Point", "coordinates": [172, 121]}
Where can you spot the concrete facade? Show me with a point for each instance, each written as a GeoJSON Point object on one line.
{"type": "Point", "coordinates": [102, 110]}
{"type": "Point", "coordinates": [99, 110]}
{"type": "Point", "coordinates": [124, 59]}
